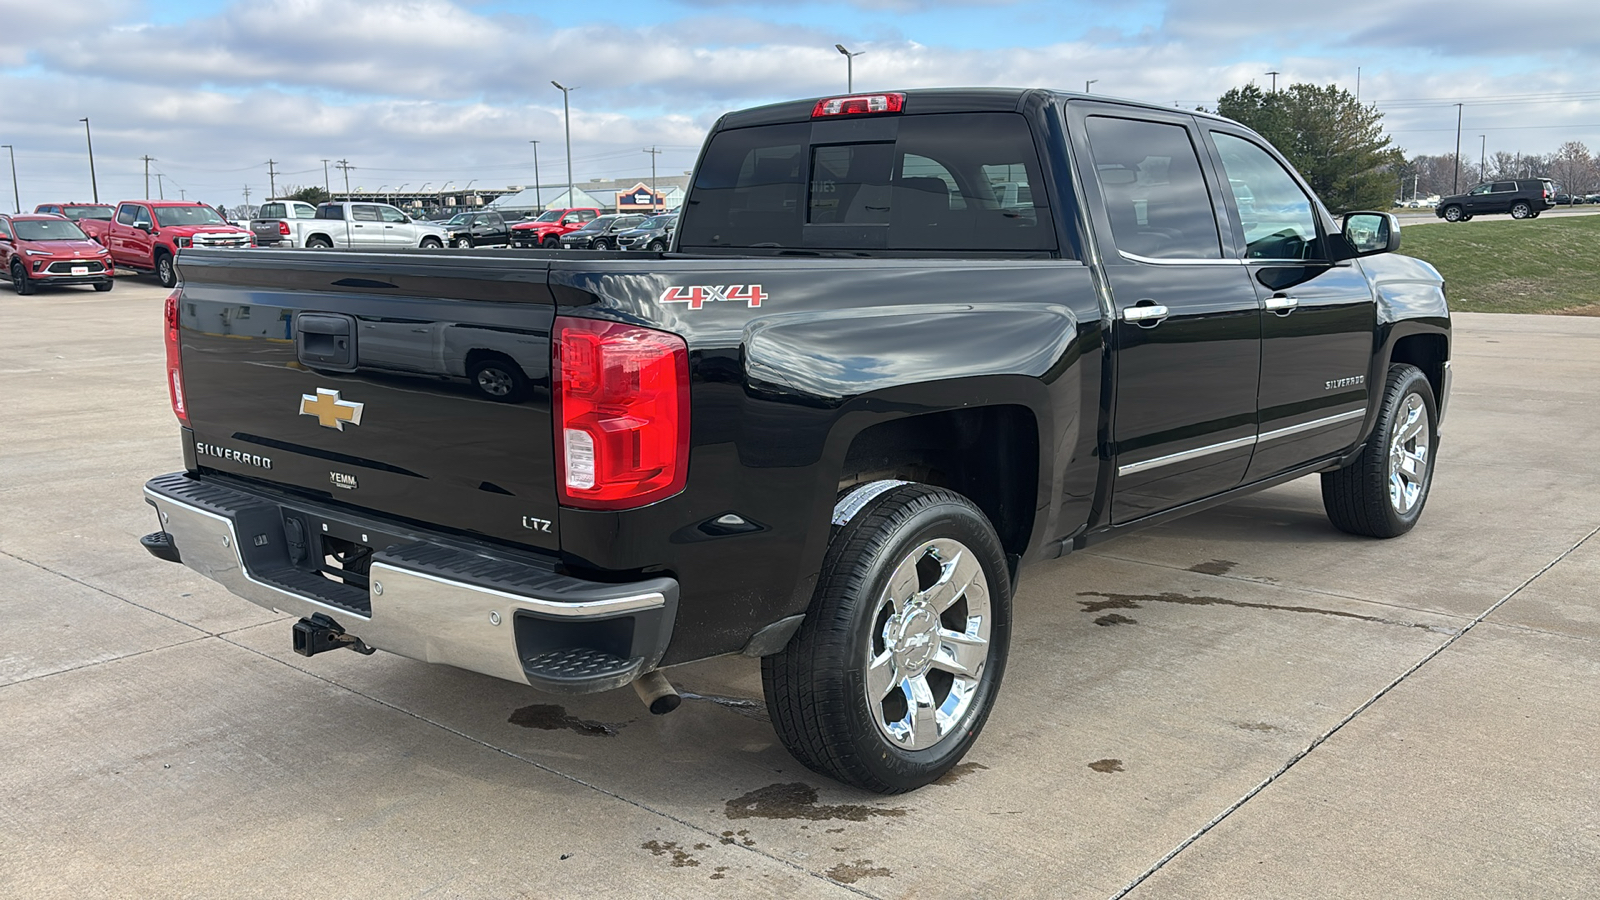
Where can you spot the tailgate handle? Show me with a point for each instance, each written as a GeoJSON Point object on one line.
{"type": "Point", "coordinates": [326, 341]}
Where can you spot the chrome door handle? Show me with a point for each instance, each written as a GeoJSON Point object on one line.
{"type": "Point", "coordinates": [1282, 305]}
{"type": "Point", "coordinates": [1144, 313]}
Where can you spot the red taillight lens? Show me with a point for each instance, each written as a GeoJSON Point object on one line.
{"type": "Point", "coordinates": [859, 105]}
{"type": "Point", "coordinates": [175, 360]}
{"type": "Point", "coordinates": [621, 398]}
{"type": "Point", "coordinates": [283, 228]}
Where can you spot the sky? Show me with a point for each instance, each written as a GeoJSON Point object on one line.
{"type": "Point", "coordinates": [447, 92]}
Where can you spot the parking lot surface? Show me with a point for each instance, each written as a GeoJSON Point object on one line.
{"type": "Point", "coordinates": [1244, 703]}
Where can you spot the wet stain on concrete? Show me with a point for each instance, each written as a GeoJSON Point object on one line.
{"type": "Point", "coordinates": [1135, 601]}
{"type": "Point", "coordinates": [1258, 726]}
{"type": "Point", "coordinates": [549, 717]}
{"type": "Point", "coordinates": [1214, 567]}
{"type": "Point", "coordinates": [960, 771]}
{"type": "Point", "coordinates": [850, 873]}
{"type": "Point", "coordinates": [729, 837]}
{"type": "Point", "coordinates": [799, 801]}
{"type": "Point", "coordinates": [1106, 765]}
{"type": "Point", "coordinates": [680, 858]}
{"type": "Point", "coordinates": [1115, 619]}
{"type": "Point", "coordinates": [717, 873]}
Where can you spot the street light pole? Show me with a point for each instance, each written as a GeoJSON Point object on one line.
{"type": "Point", "coordinates": [16, 195]}
{"type": "Point", "coordinates": [566, 114]}
{"type": "Point", "coordinates": [1087, 83]}
{"type": "Point", "coordinates": [849, 67]}
{"type": "Point", "coordinates": [1455, 177]}
{"type": "Point", "coordinates": [326, 187]}
{"type": "Point", "coordinates": [89, 138]}
{"type": "Point", "coordinates": [538, 200]}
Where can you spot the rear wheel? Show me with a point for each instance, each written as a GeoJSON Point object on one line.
{"type": "Point", "coordinates": [19, 278]}
{"type": "Point", "coordinates": [657, 246]}
{"type": "Point", "coordinates": [1521, 210]}
{"type": "Point", "coordinates": [1382, 492]}
{"type": "Point", "coordinates": [166, 272]}
{"type": "Point", "coordinates": [1453, 213]}
{"type": "Point", "coordinates": [499, 379]}
{"type": "Point", "coordinates": [895, 668]}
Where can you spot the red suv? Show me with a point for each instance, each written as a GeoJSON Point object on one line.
{"type": "Point", "coordinates": [48, 249]}
{"type": "Point", "coordinates": [546, 231]}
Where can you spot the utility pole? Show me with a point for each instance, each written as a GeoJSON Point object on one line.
{"type": "Point", "coordinates": [1274, 75]}
{"type": "Point", "coordinates": [161, 192]}
{"type": "Point", "coordinates": [1358, 85]}
{"type": "Point", "coordinates": [93, 184]}
{"type": "Point", "coordinates": [16, 195]}
{"type": "Point", "coordinates": [326, 189]}
{"type": "Point", "coordinates": [1483, 157]}
{"type": "Point", "coordinates": [148, 159]}
{"type": "Point", "coordinates": [344, 164]}
{"type": "Point", "coordinates": [272, 179]}
{"type": "Point", "coordinates": [566, 114]}
{"type": "Point", "coordinates": [183, 193]}
{"type": "Point", "coordinates": [1455, 177]}
{"type": "Point", "coordinates": [537, 200]}
{"type": "Point", "coordinates": [247, 195]}
{"type": "Point", "coordinates": [655, 198]}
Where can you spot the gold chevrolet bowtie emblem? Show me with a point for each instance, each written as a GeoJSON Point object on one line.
{"type": "Point", "coordinates": [331, 412]}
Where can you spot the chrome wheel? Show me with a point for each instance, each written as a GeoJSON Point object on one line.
{"type": "Point", "coordinates": [928, 644]}
{"type": "Point", "coordinates": [1408, 454]}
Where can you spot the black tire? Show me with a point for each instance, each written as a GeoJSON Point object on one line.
{"type": "Point", "coordinates": [551, 243]}
{"type": "Point", "coordinates": [1359, 498]}
{"type": "Point", "coordinates": [499, 379]}
{"type": "Point", "coordinates": [1521, 210]}
{"type": "Point", "coordinates": [103, 286]}
{"type": "Point", "coordinates": [1453, 213]}
{"type": "Point", "coordinates": [318, 242]}
{"type": "Point", "coordinates": [166, 269]}
{"type": "Point", "coordinates": [20, 282]}
{"type": "Point", "coordinates": [816, 687]}
{"type": "Point", "coordinates": [431, 243]}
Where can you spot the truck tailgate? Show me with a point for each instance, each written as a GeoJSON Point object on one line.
{"type": "Point", "coordinates": [412, 384]}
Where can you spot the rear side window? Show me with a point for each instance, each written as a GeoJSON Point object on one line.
{"type": "Point", "coordinates": [967, 181]}
{"type": "Point", "coordinates": [363, 213]}
{"type": "Point", "coordinates": [330, 211]}
{"type": "Point", "coordinates": [1154, 189]}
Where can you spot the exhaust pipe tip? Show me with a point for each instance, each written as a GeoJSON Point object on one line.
{"type": "Point", "coordinates": [658, 694]}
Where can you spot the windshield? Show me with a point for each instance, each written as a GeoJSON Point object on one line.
{"type": "Point", "coordinates": [48, 230]}
{"type": "Point", "coordinates": [90, 212]}
{"type": "Point", "coordinates": [551, 216]}
{"type": "Point", "coordinates": [187, 215]}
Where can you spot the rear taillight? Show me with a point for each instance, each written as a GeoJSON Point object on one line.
{"type": "Point", "coordinates": [860, 104]}
{"type": "Point", "coordinates": [621, 398]}
{"type": "Point", "coordinates": [283, 228]}
{"type": "Point", "coordinates": [175, 361]}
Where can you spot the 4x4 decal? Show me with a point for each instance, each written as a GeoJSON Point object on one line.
{"type": "Point", "coordinates": [701, 294]}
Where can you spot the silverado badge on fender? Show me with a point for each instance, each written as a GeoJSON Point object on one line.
{"type": "Point", "coordinates": [330, 410]}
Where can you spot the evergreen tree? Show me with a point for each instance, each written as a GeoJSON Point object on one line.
{"type": "Point", "coordinates": [1337, 143]}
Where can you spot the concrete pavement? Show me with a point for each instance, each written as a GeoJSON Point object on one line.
{"type": "Point", "coordinates": [1245, 703]}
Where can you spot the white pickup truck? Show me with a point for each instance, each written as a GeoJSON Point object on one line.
{"type": "Point", "coordinates": [350, 225]}
{"type": "Point", "coordinates": [283, 223]}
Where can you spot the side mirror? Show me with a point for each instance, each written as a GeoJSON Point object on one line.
{"type": "Point", "coordinates": [1370, 233]}
{"type": "Point", "coordinates": [145, 227]}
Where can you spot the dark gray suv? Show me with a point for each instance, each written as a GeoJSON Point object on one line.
{"type": "Point", "coordinates": [1523, 198]}
{"type": "Point", "coordinates": [653, 234]}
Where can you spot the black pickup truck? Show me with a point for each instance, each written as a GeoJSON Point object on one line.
{"type": "Point", "coordinates": [902, 345]}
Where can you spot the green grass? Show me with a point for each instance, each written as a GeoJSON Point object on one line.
{"type": "Point", "coordinates": [1545, 265]}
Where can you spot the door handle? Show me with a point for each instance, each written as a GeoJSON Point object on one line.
{"type": "Point", "coordinates": [1282, 305]}
{"type": "Point", "coordinates": [1144, 314]}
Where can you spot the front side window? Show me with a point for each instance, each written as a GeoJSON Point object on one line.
{"type": "Point", "coordinates": [1154, 189]}
{"type": "Point", "coordinates": [393, 216]}
{"type": "Point", "coordinates": [5, 233]}
{"type": "Point", "coordinates": [187, 215]}
{"type": "Point", "coordinates": [1278, 218]}
{"type": "Point", "coordinates": [126, 214]}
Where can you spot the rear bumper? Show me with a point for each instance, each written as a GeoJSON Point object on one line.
{"type": "Point", "coordinates": [430, 597]}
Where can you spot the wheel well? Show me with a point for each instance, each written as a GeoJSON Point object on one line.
{"type": "Point", "coordinates": [1427, 352]}
{"type": "Point", "coordinates": [988, 454]}
{"type": "Point", "coordinates": [478, 354]}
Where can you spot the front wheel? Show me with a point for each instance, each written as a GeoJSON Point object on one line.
{"type": "Point", "coordinates": [1382, 492]}
{"type": "Point", "coordinates": [657, 246]}
{"type": "Point", "coordinates": [103, 286]}
{"type": "Point", "coordinates": [20, 282]}
{"type": "Point", "coordinates": [1521, 210]}
{"type": "Point", "coordinates": [431, 243]}
{"type": "Point", "coordinates": [318, 243]}
{"type": "Point", "coordinates": [1453, 214]}
{"type": "Point", "coordinates": [166, 272]}
{"type": "Point", "coordinates": [899, 658]}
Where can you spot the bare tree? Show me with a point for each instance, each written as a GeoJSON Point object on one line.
{"type": "Point", "coordinates": [1573, 167]}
